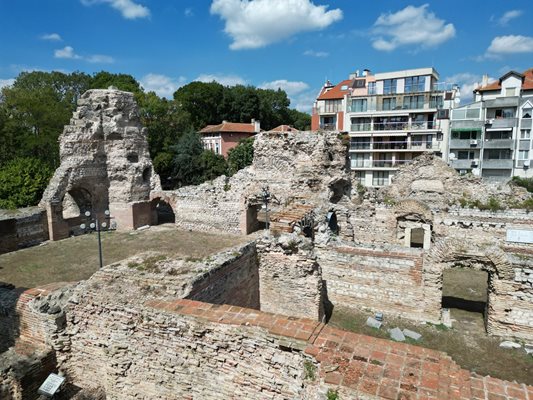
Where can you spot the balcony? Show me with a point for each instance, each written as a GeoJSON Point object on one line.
{"type": "Point", "coordinates": [498, 164]}
{"type": "Point", "coordinates": [498, 144]}
{"type": "Point", "coordinates": [465, 144]}
{"type": "Point", "coordinates": [498, 123]}
{"type": "Point", "coordinates": [328, 127]}
{"type": "Point", "coordinates": [463, 164]}
{"type": "Point", "coordinates": [473, 124]}
{"type": "Point", "coordinates": [525, 123]}
{"type": "Point", "coordinates": [393, 126]}
{"type": "Point", "coordinates": [399, 145]}
{"type": "Point", "coordinates": [375, 164]}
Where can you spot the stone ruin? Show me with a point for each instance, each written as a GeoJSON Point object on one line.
{"type": "Point", "coordinates": [250, 321]}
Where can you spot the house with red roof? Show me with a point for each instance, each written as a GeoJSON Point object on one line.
{"type": "Point", "coordinates": [225, 136]}
{"type": "Point", "coordinates": [328, 110]}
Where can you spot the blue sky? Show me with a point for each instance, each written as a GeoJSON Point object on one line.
{"type": "Point", "coordinates": [292, 44]}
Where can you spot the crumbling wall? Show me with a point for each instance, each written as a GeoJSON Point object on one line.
{"type": "Point", "coordinates": [290, 277]}
{"type": "Point", "coordinates": [379, 279]}
{"type": "Point", "coordinates": [22, 228]}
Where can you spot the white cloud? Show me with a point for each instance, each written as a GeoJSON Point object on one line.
{"type": "Point", "coordinates": [290, 87]}
{"type": "Point", "coordinates": [128, 8]}
{"type": "Point", "coordinates": [467, 83]}
{"type": "Point", "coordinates": [258, 23]}
{"type": "Point", "coordinates": [100, 59]}
{"type": "Point", "coordinates": [162, 85]}
{"type": "Point", "coordinates": [226, 80]}
{"type": "Point", "coordinates": [412, 26]}
{"type": "Point", "coordinates": [510, 44]}
{"type": "Point", "coordinates": [188, 12]}
{"type": "Point", "coordinates": [312, 53]}
{"type": "Point", "coordinates": [68, 52]}
{"type": "Point", "coordinates": [6, 82]}
{"type": "Point", "coordinates": [508, 16]}
{"type": "Point", "coordinates": [53, 37]}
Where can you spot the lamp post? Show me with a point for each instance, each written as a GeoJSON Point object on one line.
{"type": "Point", "coordinates": [95, 224]}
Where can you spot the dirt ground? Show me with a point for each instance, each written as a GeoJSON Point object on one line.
{"type": "Point", "coordinates": [76, 258]}
{"type": "Point", "coordinates": [466, 342]}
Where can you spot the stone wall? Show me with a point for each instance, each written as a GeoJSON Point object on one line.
{"type": "Point", "coordinates": [388, 279]}
{"type": "Point", "coordinates": [290, 277]}
{"type": "Point", "coordinates": [22, 228]}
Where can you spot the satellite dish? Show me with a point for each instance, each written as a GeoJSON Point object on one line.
{"type": "Point", "coordinates": [452, 156]}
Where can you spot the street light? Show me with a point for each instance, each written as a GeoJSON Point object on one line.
{"type": "Point", "coordinates": [96, 225]}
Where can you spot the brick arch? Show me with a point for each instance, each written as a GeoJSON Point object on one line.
{"type": "Point", "coordinates": [156, 198]}
{"type": "Point", "coordinates": [413, 207]}
{"type": "Point", "coordinates": [474, 254]}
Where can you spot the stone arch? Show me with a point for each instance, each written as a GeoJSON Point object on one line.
{"type": "Point", "coordinates": [414, 223]}
{"type": "Point", "coordinates": [163, 210]}
{"type": "Point", "coordinates": [75, 202]}
{"type": "Point", "coordinates": [473, 254]}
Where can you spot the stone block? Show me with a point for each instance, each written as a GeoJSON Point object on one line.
{"type": "Point", "coordinates": [373, 323]}
{"type": "Point", "coordinates": [397, 335]}
{"type": "Point", "coordinates": [412, 334]}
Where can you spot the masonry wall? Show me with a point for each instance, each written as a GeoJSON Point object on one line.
{"type": "Point", "coordinates": [387, 280]}
{"type": "Point", "coordinates": [26, 228]}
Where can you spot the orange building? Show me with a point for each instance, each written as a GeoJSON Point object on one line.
{"type": "Point", "coordinates": [225, 136]}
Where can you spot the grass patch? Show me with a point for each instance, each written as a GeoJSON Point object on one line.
{"type": "Point", "coordinates": [332, 394]}
{"type": "Point", "coordinates": [309, 370]}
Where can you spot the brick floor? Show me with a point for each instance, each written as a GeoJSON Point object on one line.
{"type": "Point", "coordinates": [366, 365]}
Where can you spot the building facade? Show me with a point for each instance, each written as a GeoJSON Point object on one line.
{"type": "Point", "coordinates": [225, 136]}
{"type": "Point", "coordinates": [390, 117]}
{"type": "Point", "coordinates": [491, 137]}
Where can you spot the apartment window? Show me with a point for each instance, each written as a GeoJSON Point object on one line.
{"type": "Point", "coordinates": [359, 105]}
{"type": "Point", "coordinates": [360, 160]}
{"type": "Point", "coordinates": [413, 102]}
{"type": "Point", "coordinates": [389, 86]}
{"type": "Point", "coordinates": [473, 113]}
{"type": "Point", "coordinates": [437, 102]}
{"type": "Point", "coordinates": [389, 103]}
{"type": "Point", "coordinates": [360, 124]}
{"type": "Point", "coordinates": [465, 155]}
{"type": "Point", "coordinates": [465, 135]}
{"type": "Point", "coordinates": [415, 84]}
{"type": "Point", "coordinates": [525, 133]}
{"type": "Point", "coordinates": [359, 143]}
{"type": "Point", "coordinates": [523, 154]}
{"type": "Point", "coordinates": [359, 83]}
{"type": "Point", "coordinates": [380, 178]}
{"type": "Point", "coordinates": [526, 113]}
{"type": "Point", "coordinates": [217, 148]}
{"type": "Point", "coordinates": [333, 105]}
{"type": "Point", "coordinates": [359, 177]}
{"type": "Point", "coordinates": [504, 113]}
{"type": "Point", "coordinates": [498, 135]}
{"type": "Point", "coordinates": [371, 87]}
{"type": "Point", "coordinates": [497, 154]}
{"type": "Point", "coordinates": [510, 91]}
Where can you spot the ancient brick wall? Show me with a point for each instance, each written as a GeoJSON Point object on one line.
{"type": "Point", "coordinates": [26, 228]}
{"type": "Point", "coordinates": [386, 279]}
{"type": "Point", "coordinates": [290, 277]}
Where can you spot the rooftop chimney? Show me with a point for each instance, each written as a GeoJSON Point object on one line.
{"type": "Point", "coordinates": [256, 125]}
{"type": "Point", "coordinates": [485, 80]}
{"type": "Point", "coordinates": [366, 72]}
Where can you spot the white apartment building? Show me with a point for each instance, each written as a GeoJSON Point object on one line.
{"type": "Point", "coordinates": [491, 137]}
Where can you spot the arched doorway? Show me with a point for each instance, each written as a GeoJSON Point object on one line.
{"type": "Point", "coordinates": [162, 212]}
{"type": "Point", "coordinates": [75, 202]}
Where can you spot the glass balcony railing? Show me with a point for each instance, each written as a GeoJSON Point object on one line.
{"type": "Point", "coordinates": [392, 126]}
{"type": "Point", "coordinates": [399, 145]}
{"type": "Point", "coordinates": [378, 163]}
{"type": "Point", "coordinates": [328, 127]}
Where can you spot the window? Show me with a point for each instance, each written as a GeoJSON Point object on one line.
{"type": "Point", "coordinates": [523, 154]}
{"type": "Point", "coordinates": [360, 160]}
{"type": "Point", "coordinates": [465, 135]}
{"type": "Point", "coordinates": [413, 102]}
{"type": "Point", "coordinates": [389, 86]}
{"type": "Point", "coordinates": [389, 103]}
{"type": "Point", "coordinates": [504, 113]}
{"type": "Point", "coordinates": [415, 84]}
{"type": "Point", "coordinates": [436, 102]}
{"type": "Point", "coordinates": [359, 83]}
{"type": "Point", "coordinates": [497, 154]}
{"type": "Point", "coordinates": [333, 105]}
{"type": "Point", "coordinates": [360, 143]}
{"type": "Point", "coordinates": [380, 178]}
{"type": "Point", "coordinates": [371, 87]}
{"type": "Point", "coordinates": [217, 149]}
{"type": "Point", "coordinates": [526, 113]}
{"type": "Point", "coordinates": [510, 91]}
{"type": "Point", "coordinates": [359, 105]}
{"type": "Point", "coordinates": [344, 87]}
{"type": "Point", "coordinates": [359, 177]}
{"type": "Point", "coordinates": [473, 113]}
{"type": "Point", "coordinates": [465, 155]}
{"type": "Point", "coordinates": [498, 135]}
{"type": "Point", "coordinates": [525, 133]}
{"type": "Point", "coordinates": [360, 124]}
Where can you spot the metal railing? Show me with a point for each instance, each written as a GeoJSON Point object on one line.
{"type": "Point", "coordinates": [378, 163]}
{"type": "Point", "coordinates": [392, 126]}
{"type": "Point", "coordinates": [398, 145]}
{"type": "Point", "coordinates": [328, 127]}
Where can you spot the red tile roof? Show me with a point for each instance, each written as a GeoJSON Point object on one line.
{"type": "Point", "coordinates": [229, 127]}
{"type": "Point", "coordinates": [496, 85]}
{"type": "Point", "coordinates": [335, 92]}
{"type": "Point", "coordinates": [284, 128]}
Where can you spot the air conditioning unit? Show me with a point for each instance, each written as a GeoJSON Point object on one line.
{"type": "Point", "coordinates": [489, 121]}
{"type": "Point", "coordinates": [526, 163]}
{"type": "Point", "coordinates": [475, 162]}
{"type": "Point", "coordinates": [473, 142]}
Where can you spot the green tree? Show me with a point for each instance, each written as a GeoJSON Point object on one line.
{"type": "Point", "coordinates": [22, 182]}
{"type": "Point", "coordinates": [186, 162]}
{"type": "Point", "coordinates": [274, 109]}
{"type": "Point", "coordinates": [239, 104]}
{"type": "Point", "coordinates": [300, 120]}
{"type": "Point", "coordinates": [241, 155]}
{"type": "Point", "coordinates": [212, 165]}
{"type": "Point", "coordinates": [201, 102]}
{"type": "Point", "coordinates": [103, 79]}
